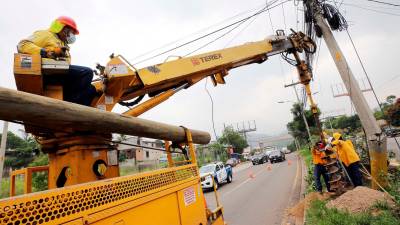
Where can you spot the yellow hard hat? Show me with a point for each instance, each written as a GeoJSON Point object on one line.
{"type": "Point", "coordinates": [336, 136]}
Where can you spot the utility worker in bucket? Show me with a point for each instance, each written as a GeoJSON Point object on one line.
{"type": "Point", "coordinates": [319, 166]}
{"type": "Point", "coordinates": [54, 43]}
{"type": "Point", "coordinates": [349, 157]}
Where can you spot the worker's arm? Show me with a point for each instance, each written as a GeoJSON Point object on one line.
{"type": "Point", "coordinates": [28, 45]}
{"type": "Point", "coordinates": [34, 44]}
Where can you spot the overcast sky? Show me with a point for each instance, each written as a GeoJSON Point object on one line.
{"type": "Point", "coordinates": [131, 28]}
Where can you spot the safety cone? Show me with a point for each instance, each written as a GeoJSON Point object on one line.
{"type": "Point", "coordinates": [269, 167]}
{"type": "Point", "coordinates": [251, 175]}
{"type": "Point", "coordinates": [289, 162]}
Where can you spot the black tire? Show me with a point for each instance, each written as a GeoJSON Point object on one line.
{"type": "Point", "coordinates": [229, 179]}
{"type": "Point", "coordinates": [254, 164]}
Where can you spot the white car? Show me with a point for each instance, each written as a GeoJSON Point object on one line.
{"type": "Point", "coordinates": [215, 173]}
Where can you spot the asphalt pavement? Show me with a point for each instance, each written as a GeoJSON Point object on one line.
{"type": "Point", "coordinates": [259, 194]}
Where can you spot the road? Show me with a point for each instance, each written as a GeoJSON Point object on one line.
{"type": "Point", "coordinates": [260, 194]}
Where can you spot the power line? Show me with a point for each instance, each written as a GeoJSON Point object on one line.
{"type": "Point", "coordinates": [368, 9]}
{"type": "Point", "coordinates": [213, 32]}
{"type": "Point", "coordinates": [212, 109]}
{"type": "Point", "coordinates": [226, 33]}
{"type": "Point", "coordinates": [243, 29]}
{"type": "Point", "coordinates": [284, 16]}
{"type": "Point", "coordinates": [368, 79]}
{"type": "Point", "coordinates": [197, 32]}
{"type": "Point", "coordinates": [384, 3]}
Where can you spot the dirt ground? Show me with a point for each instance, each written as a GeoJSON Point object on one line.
{"type": "Point", "coordinates": [359, 199]}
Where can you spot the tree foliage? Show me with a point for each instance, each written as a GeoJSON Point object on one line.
{"type": "Point", "coordinates": [233, 138]}
{"type": "Point", "coordinates": [297, 127]}
{"type": "Point", "coordinates": [22, 150]}
{"type": "Point", "coordinates": [40, 179]}
{"type": "Point", "coordinates": [390, 110]}
{"type": "Point", "coordinates": [352, 123]}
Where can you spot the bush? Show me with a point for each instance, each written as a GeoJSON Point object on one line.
{"type": "Point", "coordinates": [40, 179]}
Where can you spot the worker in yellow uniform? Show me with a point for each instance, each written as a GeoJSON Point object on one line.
{"type": "Point", "coordinates": [319, 166]}
{"type": "Point", "coordinates": [349, 157]}
{"type": "Point", "coordinates": [54, 43]}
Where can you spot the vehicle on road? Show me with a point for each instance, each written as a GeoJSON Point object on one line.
{"type": "Point", "coordinates": [285, 150]}
{"type": "Point", "coordinates": [276, 156]}
{"type": "Point", "coordinates": [232, 162]}
{"type": "Point", "coordinates": [259, 159]}
{"type": "Point", "coordinates": [215, 174]}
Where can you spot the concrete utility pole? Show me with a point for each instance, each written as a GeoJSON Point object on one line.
{"type": "Point", "coordinates": [303, 115]}
{"type": "Point", "coordinates": [3, 150]}
{"type": "Point", "coordinates": [377, 143]}
{"type": "Point", "coordinates": [301, 109]}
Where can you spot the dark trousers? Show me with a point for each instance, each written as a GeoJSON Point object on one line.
{"type": "Point", "coordinates": [318, 171]}
{"type": "Point", "coordinates": [354, 173]}
{"type": "Point", "coordinates": [77, 85]}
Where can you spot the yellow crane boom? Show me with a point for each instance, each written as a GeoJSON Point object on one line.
{"type": "Point", "coordinates": [83, 171]}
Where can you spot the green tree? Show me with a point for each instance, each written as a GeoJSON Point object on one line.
{"type": "Point", "coordinates": [23, 151]}
{"type": "Point", "coordinates": [233, 138]}
{"type": "Point", "coordinates": [352, 123]}
{"type": "Point", "coordinates": [219, 151]}
{"type": "Point", "coordinates": [393, 113]}
{"type": "Point", "coordinates": [297, 127]}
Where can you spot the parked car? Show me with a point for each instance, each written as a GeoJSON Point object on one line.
{"type": "Point", "coordinates": [259, 159]}
{"type": "Point", "coordinates": [215, 173]}
{"type": "Point", "coordinates": [232, 162]}
{"type": "Point", "coordinates": [276, 156]}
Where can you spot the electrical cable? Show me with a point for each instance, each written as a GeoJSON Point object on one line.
{"type": "Point", "coordinates": [243, 29]}
{"type": "Point", "coordinates": [226, 33]}
{"type": "Point", "coordinates": [384, 3]}
{"type": "Point", "coordinates": [368, 79]}
{"type": "Point", "coordinates": [269, 15]}
{"type": "Point", "coordinates": [210, 33]}
{"type": "Point", "coordinates": [212, 109]}
{"type": "Point", "coordinates": [369, 9]}
{"type": "Point", "coordinates": [284, 16]}
{"type": "Point", "coordinates": [197, 32]}
{"type": "Point", "coordinates": [214, 40]}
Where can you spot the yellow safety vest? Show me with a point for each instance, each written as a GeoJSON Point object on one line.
{"type": "Point", "coordinates": [41, 39]}
{"type": "Point", "coordinates": [317, 157]}
{"type": "Point", "coordinates": [347, 153]}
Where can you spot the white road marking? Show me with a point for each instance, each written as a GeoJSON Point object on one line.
{"type": "Point", "coordinates": [241, 184]}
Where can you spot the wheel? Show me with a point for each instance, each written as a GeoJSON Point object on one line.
{"type": "Point", "coordinates": [254, 164]}
{"type": "Point", "coordinates": [229, 179]}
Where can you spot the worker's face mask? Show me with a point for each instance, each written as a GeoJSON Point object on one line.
{"type": "Point", "coordinates": [71, 38]}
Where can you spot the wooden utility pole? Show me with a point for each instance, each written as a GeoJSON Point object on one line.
{"type": "Point", "coordinates": [3, 150]}
{"type": "Point", "coordinates": [376, 142]}
{"type": "Point", "coordinates": [61, 116]}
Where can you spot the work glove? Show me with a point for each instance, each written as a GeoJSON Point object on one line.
{"type": "Point", "coordinates": [53, 52]}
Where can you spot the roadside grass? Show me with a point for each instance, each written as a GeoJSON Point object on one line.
{"type": "Point", "coordinates": [5, 186]}
{"type": "Point", "coordinates": [319, 214]}
{"type": "Point", "coordinates": [394, 184]}
{"type": "Point", "coordinates": [309, 178]}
